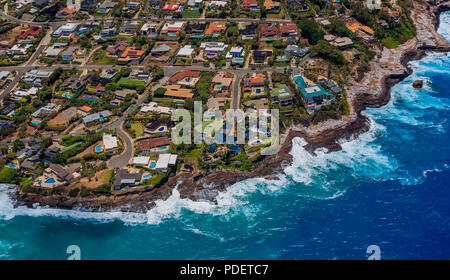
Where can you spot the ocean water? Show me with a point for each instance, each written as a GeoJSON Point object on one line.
{"type": "Point", "coordinates": [389, 187]}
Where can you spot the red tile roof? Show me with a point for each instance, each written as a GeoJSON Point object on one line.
{"type": "Point", "coordinates": [268, 30]}
{"type": "Point", "coordinates": [286, 28]}
{"type": "Point", "coordinates": [151, 143]}
{"type": "Point", "coordinates": [67, 11]}
{"type": "Point", "coordinates": [32, 31]}
{"type": "Point", "coordinates": [183, 74]}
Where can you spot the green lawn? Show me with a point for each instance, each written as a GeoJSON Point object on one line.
{"type": "Point", "coordinates": [195, 153]}
{"type": "Point", "coordinates": [191, 13]}
{"type": "Point", "coordinates": [138, 128]}
{"type": "Point", "coordinates": [166, 100]}
{"type": "Point", "coordinates": [129, 83]}
{"type": "Point", "coordinates": [100, 58]}
{"type": "Point", "coordinates": [71, 147]}
{"type": "Point", "coordinates": [390, 42]}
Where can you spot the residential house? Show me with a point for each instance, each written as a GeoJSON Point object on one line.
{"type": "Point", "coordinates": [172, 8]}
{"type": "Point", "coordinates": [130, 54]}
{"type": "Point", "coordinates": [125, 178]}
{"type": "Point", "coordinates": [172, 29]}
{"type": "Point", "coordinates": [65, 12]}
{"type": "Point", "coordinates": [215, 29]}
{"type": "Point", "coordinates": [46, 111]}
{"type": "Point", "coordinates": [272, 6]}
{"type": "Point", "coordinates": [92, 118]}
{"type": "Point", "coordinates": [235, 55]}
{"type": "Point", "coordinates": [61, 173]}
{"type": "Point", "coordinates": [165, 161]}
{"type": "Point", "coordinates": [183, 75]}
{"type": "Point", "coordinates": [178, 92]}
{"type": "Point", "coordinates": [314, 96]}
{"type": "Point", "coordinates": [32, 31]}
{"type": "Point", "coordinates": [342, 43]}
{"type": "Point", "coordinates": [221, 82]}
{"type": "Point", "coordinates": [154, 107]}
{"type": "Point", "coordinates": [117, 49]}
{"type": "Point", "coordinates": [282, 96]}
{"type": "Point", "coordinates": [186, 51]}
{"type": "Point", "coordinates": [160, 50]}
{"type": "Point", "coordinates": [159, 126]}
{"type": "Point", "coordinates": [88, 5]}
{"type": "Point", "coordinates": [194, 3]}
{"type": "Point", "coordinates": [268, 31]}
{"type": "Point", "coordinates": [110, 142]}
{"type": "Point", "coordinates": [66, 29]}
{"type": "Point", "coordinates": [55, 49]}
{"type": "Point", "coordinates": [68, 54]}
{"type": "Point", "coordinates": [260, 56]}
{"type": "Point", "coordinates": [296, 51]}
{"type": "Point", "coordinates": [150, 29]}
{"type": "Point", "coordinates": [129, 27]}
{"type": "Point", "coordinates": [106, 6]}
{"type": "Point", "coordinates": [141, 161]}
{"type": "Point", "coordinates": [289, 32]}
{"type": "Point", "coordinates": [256, 80]}
{"type": "Point", "coordinates": [152, 144]}
{"type": "Point", "coordinates": [252, 5]}
{"type": "Point", "coordinates": [196, 29]}
{"type": "Point", "coordinates": [213, 49]}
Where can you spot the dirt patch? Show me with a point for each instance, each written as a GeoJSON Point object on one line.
{"type": "Point", "coordinates": [62, 119]}
{"type": "Point", "coordinates": [8, 37]}
{"type": "Point", "coordinates": [95, 181]}
{"type": "Point", "coordinates": [89, 150]}
{"type": "Point", "coordinates": [163, 58]}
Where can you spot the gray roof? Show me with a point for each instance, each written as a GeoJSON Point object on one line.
{"type": "Point", "coordinates": [69, 51]}
{"type": "Point", "coordinates": [96, 116]}
{"type": "Point", "coordinates": [161, 48]}
{"type": "Point", "coordinates": [4, 74]}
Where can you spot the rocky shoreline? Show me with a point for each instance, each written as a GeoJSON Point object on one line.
{"type": "Point", "coordinates": [387, 69]}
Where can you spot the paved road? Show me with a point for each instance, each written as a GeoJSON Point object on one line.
{"type": "Point", "coordinates": [123, 159]}
{"type": "Point", "coordinates": [151, 18]}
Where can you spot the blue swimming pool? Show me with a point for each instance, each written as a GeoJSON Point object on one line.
{"type": "Point", "coordinates": [50, 181]}
{"type": "Point", "coordinates": [98, 148]}
{"type": "Point", "coordinates": [67, 95]}
{"type": "Point", "coordinates": [148, 176]}
{"type": "Point", "coordinates": [11, 166]}
{"type": "Point", "coordinates": [90, 98]}
{"type": "Point", "coordinates": [101, 118]}
{"type": "Point", "coordinates": [282, 59]}
{"type": "Point", "coordinates": [161, 129]}
{"type": "Point", "coordinates": [153, 164]}
{"type": "Point", "coordinates": [258, 90]}
{"type": "Point", "coordinates": [114, 103]}
{"type": "Point", "coordinates": [35, 122]}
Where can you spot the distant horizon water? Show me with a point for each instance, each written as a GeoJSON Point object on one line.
{"type": "Point", "coordinates": [389, 188]}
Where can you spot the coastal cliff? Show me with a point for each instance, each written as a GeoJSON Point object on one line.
{"type": "Point", "coordinates": [387, 68]}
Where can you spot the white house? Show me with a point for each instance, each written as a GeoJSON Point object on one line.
{"type": "Point", "coordinates": [142, 160]}
{"type": "Point", "coordinates": [186, 51]}
{"type": "Point", "coordinates": [165, 161]}
{"type": "Point", "coordinates": [109, 142]}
